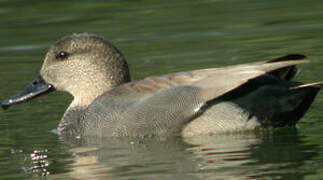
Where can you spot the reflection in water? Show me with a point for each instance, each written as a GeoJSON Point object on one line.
{"type": "Point", "coordinates": [246, 156]}
{"type": "Point", "coordinates": [233, 156]}
{"type": "Point", "coordinates": [40, 163]}
{"type": "Point", "coordinates": [124, 157]}
{"type": "Point", "coordinates": [86, 165]}
{"type": "Point", "coordinates": [34, 164]}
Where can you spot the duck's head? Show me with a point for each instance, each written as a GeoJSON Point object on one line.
{"type": "Point", "coordinates": [84, 65]}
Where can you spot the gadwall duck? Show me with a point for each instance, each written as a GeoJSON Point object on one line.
{"type": "Point", "coordinates": [207, 101]}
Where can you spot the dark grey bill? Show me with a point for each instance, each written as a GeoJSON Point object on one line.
{"type": "Point", "coordinates": [37, 87]}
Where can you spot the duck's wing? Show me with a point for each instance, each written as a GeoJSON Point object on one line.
{"type": "Point", "coordinates": [214, 82]}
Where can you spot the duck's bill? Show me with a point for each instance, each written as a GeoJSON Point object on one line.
{"type": "Point", "coordinates": [37, 87]}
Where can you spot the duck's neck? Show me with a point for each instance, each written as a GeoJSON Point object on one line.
{"type": "Point", "coordinates": [70, 122]}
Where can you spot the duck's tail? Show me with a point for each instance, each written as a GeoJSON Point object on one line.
{"type": "Point", "coordinates": [298, 98]}
{"type": "Point", "coordinates": [293, 104]}
{"type": "Point", "coordinates": [287, 73]}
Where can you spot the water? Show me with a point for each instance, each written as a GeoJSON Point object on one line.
{"type": "Point", "coordinates": [158, 37]}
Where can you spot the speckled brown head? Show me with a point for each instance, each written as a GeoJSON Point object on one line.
{"type": "Point", "coordinates": [84, 65]}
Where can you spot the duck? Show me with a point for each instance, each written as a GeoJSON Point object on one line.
{"type": "Point", "coordinates": [106, 103]}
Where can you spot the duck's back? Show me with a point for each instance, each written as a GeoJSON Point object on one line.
{"type": "Point", "coordinates": [203, 101]}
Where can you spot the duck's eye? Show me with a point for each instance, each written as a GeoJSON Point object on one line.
{"type": "Point", "coordinates": [62, 55]}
